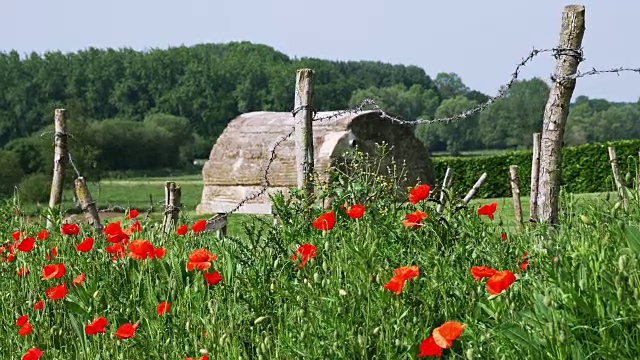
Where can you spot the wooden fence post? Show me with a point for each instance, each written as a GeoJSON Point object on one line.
{"type": "Point", "coordinates": [515, 193]}
{"type": "Point", "coordinates": [172, 195]}
{"type": "Point", "coordinates": [474, 189]}
{"type": "Point", "coordinates": [303, 117]}
{"type": "Point", "coordinates": [622, 192]}
{"type": "Point", "coordinates": [218, 224]}
{"type": "Point", "coordinates": [556, 111]}
{"type": "Point", "coordinates": [448, 175]}
{"type": "Point", "coordinates": [535, 173]}
{"type": "Point", "coordinates": [60, 159]}
{"type": "Point", "coordinates": [87, 203]}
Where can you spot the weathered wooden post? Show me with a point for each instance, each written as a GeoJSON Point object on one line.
{"type": "Point", "coordinates": [172, 195]}
{"type": "Point", "coordinates": [556, 111]}
{"type": "Point", "coordinates": [535, 172]}
{"type": "Point", "coordinates": [622, 193]}
{"type": "Point", "coordinates": [448, 176]}
{"type": "Point", "coordinates": [60, 159]}
{"type": "Point", "coordinates": [303, 117]}
{"type": "Point", "coordinates": [87, 203]}
{"type": "Point", "coordinates": [475, 188]}
{"type": "Point", "coordinates": [515, 193]}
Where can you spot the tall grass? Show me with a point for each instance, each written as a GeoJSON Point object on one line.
{"type": "Point", "coordinates": [577, 299]}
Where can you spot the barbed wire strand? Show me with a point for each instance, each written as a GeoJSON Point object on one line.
{"type": "Point", "coordinates": [370, 104]}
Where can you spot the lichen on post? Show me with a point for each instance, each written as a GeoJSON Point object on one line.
{"type": "Point", "coordinates": [303, 117]}
{"type": "Point", "coordinates": [556, 111]}
{"type": "Point", "coordinates": [60, 159]}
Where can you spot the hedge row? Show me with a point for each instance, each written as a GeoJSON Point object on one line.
{"type": "Point", "coordinates": [585, 169]}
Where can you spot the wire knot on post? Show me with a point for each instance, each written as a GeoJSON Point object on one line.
{"type": "Point", "coordinates": [295, 111]}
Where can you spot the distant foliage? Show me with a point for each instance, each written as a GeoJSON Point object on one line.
{"type": "Point", "coordinates": [585, 169]}
{"type": "Point", "coordinates": [10, 173]}
{"type": "Point", "coordinates": [35, 188]}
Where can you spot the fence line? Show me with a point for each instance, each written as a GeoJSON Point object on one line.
{"type": "Point", "coordinates": [370, 104]}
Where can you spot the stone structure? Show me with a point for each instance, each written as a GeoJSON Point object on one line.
{"type": "Point", "coordinates": [236, 165]}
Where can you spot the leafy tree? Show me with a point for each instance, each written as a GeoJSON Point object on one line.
{"type": "Point", "coordinates": [510, 121]}
{"type": "Point", "coordinates": [457, 135]}
{"type": "Point", "coordinates": [410, 103]}
{"type": "Point", "coordinates": [10, 173]}
{"type": "Point", "coordinates": [450, 85]}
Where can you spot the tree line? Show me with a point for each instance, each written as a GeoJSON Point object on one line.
{"type": "Point", "coordinates": [162, 108]}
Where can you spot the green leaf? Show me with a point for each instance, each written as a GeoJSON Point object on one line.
{"type": "Point", "coordinates": [633, 238]}
{"type": "Point", "coordinates": [520, 337]}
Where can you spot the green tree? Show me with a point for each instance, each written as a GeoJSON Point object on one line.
{"type": "Point", "coordinates": [450, 85]}
{"type": "Point", "coordinates": [10, 173]}
{"type": "Point", "coordinates": [510, 121]}
{"type": "Point", "coordinates": [459, 134]}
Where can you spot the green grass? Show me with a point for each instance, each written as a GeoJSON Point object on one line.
{"type": "Point", "coordinates": [578, 298]}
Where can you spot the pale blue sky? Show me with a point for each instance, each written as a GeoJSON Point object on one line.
{"type": "Point", "coordinates": [480, 40]}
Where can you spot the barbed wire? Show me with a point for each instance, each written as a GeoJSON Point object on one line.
{"type": "Point", "coordinates": [370, 104]}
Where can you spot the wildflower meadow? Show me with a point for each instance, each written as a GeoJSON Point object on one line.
{"type": "Point", "coordinates": [378, 274]}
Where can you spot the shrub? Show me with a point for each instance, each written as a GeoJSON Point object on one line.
{"type": "Point", "coordinates": [35, 188]}
{"type": "Point", "coordinates": [10, 172]}
{"type": "Point", "coordinates": [585, 169]}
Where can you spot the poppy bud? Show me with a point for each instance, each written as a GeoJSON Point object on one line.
{"type": "Point", "coordinates": [622, 262]}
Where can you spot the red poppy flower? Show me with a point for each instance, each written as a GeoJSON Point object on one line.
{"type": "Point", "coordinates": [503, 236]}
{"type": "Point", "coordinates": [23, 271]}
{"type": "Point", "coordinates": [25, 329]}
{"type": "Point", "coordinates": [355, 212]}
{"type": "Point", "coordinates": [396, 284]}
{"type": "Point", "coordinates": [201, 260]}
{"type": "Point", "coordinates": [159, 253]}
{"type": "Point", "coordinates": [500, 281]}
{"type": "Point", "coordinates": [53, 271]}
{"type": "Point", "coordinates": [524, 265]}
{"type": "Point", "coordinates": [26, 245]}
{"type": "Point", "coordinates": [141, 249]}
{"type": "Point", "coordinates": [52, 255]}
{"type": "Point", "coordinates": [212, 278]}
{"type": "Point", "coordinates": [488, 210]}
{"type": "Point", "coordinates": [407, 272]}
{"type": "Point", "coordinates": [163, 308]}
{"type": "Point", "coordinates": [115, 234]}
{"type": "Point", "coordinates": [22, 321]}
{"type": "Point", "coordinates": [325, 222]}
{"type": "Point", "coordinates": [480, 272]}
{"type": "Point", "coordinates": [16, 235]}
{"type": "Point", "coordinates": [133, 213]}
{"type": "Point", "coordinates": [182, 230]}
{"type": "Point", "coordinates": [307, 252]}
{"type": "Point", "coordinates": [126, 331]}
{"type": "Point", "coordinates": [414, 219]}
{"type": "Point", "coordinates": [428, 347]}
{"type": "Point", "coordinates": [199, 226]}
{"type": "Point", "coordinates": [57, 292]}
{"type": "Point", "coordinates": [86, 245]}
{"type": "Point", "coordinates": [32, 354]}
{"type": "Point", "coordinates": [70, 229]}
{"type": "Point", "coordinates": [136, 227]}
{"type": "Point", "coordinates": [43, 235]}
{"type": "Point", "coordinates": [78, 280]}
{"type": "Point", "coordinates": [117, 249]}
{"type": "Point", "coordinates": [445, 334]}
{"type": "Point", "coordinates": [203, 357]}
{"type": "Point", "coordinates": [97, 326]}
{"type": "Point", "coordinates": [401, 275]}
{"type": "Point", "coordinates": [38, 306]}
{"type": "Point", "coordinates": [419, 193]}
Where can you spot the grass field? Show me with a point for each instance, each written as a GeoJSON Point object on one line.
{"type": "Point", "coordinates": [369, 286]}
{"type": "Point", "coordinates": [143, 192]}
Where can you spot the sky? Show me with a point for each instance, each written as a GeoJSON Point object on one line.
{"type": "Point", "coordinates": [481, 41]}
